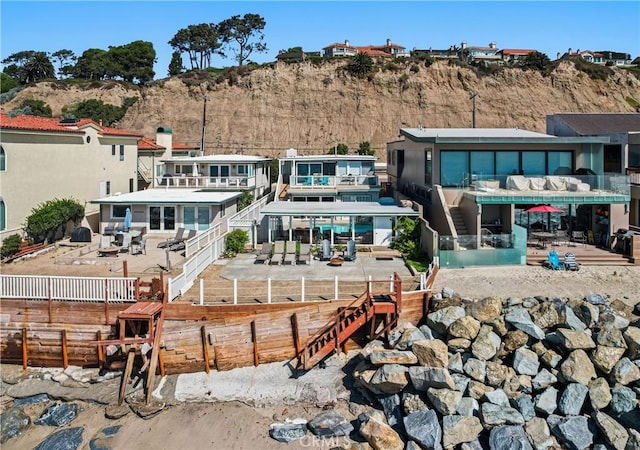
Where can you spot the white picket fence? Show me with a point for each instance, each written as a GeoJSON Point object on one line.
{"type": "Point", "coordinates": [78, 289]}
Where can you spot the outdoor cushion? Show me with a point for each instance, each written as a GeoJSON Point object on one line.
{"type": "Point", "coordinates": [517, 183]}
{"type": "Point", "coordinates": [555, 183]}
{"type": "Point", "coordinates": [579, 187]}
{"type": "Point", "coordinates": [536, 183]}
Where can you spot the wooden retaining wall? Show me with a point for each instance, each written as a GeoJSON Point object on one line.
{"type": "Point", "coordinates": [195, 338]}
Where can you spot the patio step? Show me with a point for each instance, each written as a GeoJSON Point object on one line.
{"type": "Point", "coordinates": [586, 259]}
{"type": "Point", "coordinates": [458, 221]}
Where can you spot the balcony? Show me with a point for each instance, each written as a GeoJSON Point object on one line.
{"type": "Point", "coordinates": [500, 189]}
{"type": "Point", "coordinates": [333, 181]}
{"type": "Point", "coordinates": [634, 175]}
{"type": "Point", "coordinates": [204, 181]}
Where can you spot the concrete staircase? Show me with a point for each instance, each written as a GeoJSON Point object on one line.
{"type": "Point", "coordinates": [458, 221]}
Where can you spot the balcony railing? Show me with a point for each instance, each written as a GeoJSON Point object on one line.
{"type": "Point", "coordinates": [332, 181]}
{"type": "Point", "coordinates": [574, 184]}
{"type": "Point", "coordinates": [634, 175]}
{"type": "Point", "coordinates": [203, 181]}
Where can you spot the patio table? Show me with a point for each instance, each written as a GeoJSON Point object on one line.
{"type": "Point", "coordinates": [543, 237]}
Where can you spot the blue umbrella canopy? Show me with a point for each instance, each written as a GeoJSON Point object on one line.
{"type": "Point", "coordinates": [127, 219]}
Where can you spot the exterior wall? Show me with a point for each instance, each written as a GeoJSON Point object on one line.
{"type": "Point", "coordinates": [618, 218]}
{"type": "Point", "coordinates": [42, 166]}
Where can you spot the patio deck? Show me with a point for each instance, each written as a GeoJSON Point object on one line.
{"type": "Point", "coordinates": [586, 254]}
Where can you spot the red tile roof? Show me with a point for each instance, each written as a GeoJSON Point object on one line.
{"type": "Point", "coordinates": [177, 146]}
{"type": "Point", "coordinates": [35, 123]}
{"type": "Point", "coordinates": [147, 144]}
{"type": "Point", "coordinates": [516, 51]}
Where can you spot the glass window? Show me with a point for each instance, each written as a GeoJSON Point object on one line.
{"type": "Point", "coordinates": [108, 187]}
{"type": "Point", "coordinates": [3, 160]}
{"type": "Point", "coordinates": [533, 163]}
{"type": "Point", "coordinates": [3, 217]}
{"type": "Point", "coordinates": [122, 153]}
{"type": "Point", "coordinates": [203, 218]}
{"type": "Point", "coordinates": [169, 218]}
{"type": "Point", "coordinates": [507, 163]}
{"type": "Point", "coordinates": [427, 167]}
{"type": "Point", "coordinates": [154, 217]}
{"type": "Point", "coordinates": [482, 164]}
{"type": "Point", "coordinates": [559, 163]}
{"type": "Point", "coordinates": [243, 169]}
{"type": "Point", "coordinates": [189, 218]}
{"type": "Point", "coordinates": [113, 150]}
{"type": "Point", "coordinates": [454, 167]}
{"type": "Point", "coordinates": [119, 211]}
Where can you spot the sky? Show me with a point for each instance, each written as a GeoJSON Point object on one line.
{"type": "Point", "coordinates": [547, 26]}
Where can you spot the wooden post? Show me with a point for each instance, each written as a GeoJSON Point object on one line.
{"type": "Point", "coordinates": [100, 352]}
{"type": "Point", "coordinates": [138, 289]}
{"type": "Point", "coordinates": [205, 350]}
{"type": "Point", "coordinates": [254, 339]}
{"type": "Point", "coordinates": [49, 295]}
{"type": "Point", "coordinates": [125, 269]}
{"type": "Point", "coordinates": [65, 355]}
{"type": "Point", "coordinates": [24, 349]}
{"type": "Point", "coordinates": [128, 368]}
{"type": "Point", "coordinates": [155, 349]}
{"type": "Point", "coordinates": [216, 355]}
{"type": "Point", "coordinates": [295, 333]}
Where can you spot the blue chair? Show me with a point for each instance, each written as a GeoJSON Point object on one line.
{"type": "Point", "coordinates": [554, 260]}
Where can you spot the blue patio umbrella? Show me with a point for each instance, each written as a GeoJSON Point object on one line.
{"type": "Point", "coordinates": [127, 219]}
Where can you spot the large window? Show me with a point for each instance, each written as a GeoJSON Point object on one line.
{"type": "Point", "coordinates": [309, 168]}
{"type": "Point", "coordinates": [454, 167]}
{"type": "Point", "coordinates": [3, 217]}
{"type": "Point", "coordinates": [482, 164]}
{"type": "Point", "coordinates": [119, 211]}
{"type": "Point", "coordinates": [533, 163]}
{"type": "Point", "coordinates": [559, 163]}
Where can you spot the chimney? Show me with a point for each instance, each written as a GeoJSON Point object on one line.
{"type": "Point", "coordinates": [346, 42]}
{"type": "Point", "coordinates": [388, 42]}
{"type": "Point", "coordinates": [463, 45]}
{"type": "Point", "coordinates": [164, 138]}
{"type": "Point", "coordinates": [492, 45]}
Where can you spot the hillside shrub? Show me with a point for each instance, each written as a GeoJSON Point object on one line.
{"type": "Point", "coordinates": [10, 245]}
{"type": "Point", "coordinates": [595, 71]}
{"type": "Point", "coordinates": [234, 242]}
{"type": "Point", "coordinates": [47, 219]}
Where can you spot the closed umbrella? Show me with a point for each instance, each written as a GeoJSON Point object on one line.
{"type": "Point", "coordinates": [127, 219]}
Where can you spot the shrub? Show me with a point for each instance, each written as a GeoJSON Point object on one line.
{"type": "Point", "coordinates": [595, 71]}
{"type": "Point", "coordinates": [48, 218]}
{"type": "Point", "coordinates": [10, 245]}
{"type": "Point", "coordinates": [235, 242]}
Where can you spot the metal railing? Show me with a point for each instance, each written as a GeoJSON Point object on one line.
{"type": "Point", "coordinates": [331, 181]}
{"type": "Point", "coordinates": [203, 181]}
{"type": "Point", "coordinates": [78, 289]}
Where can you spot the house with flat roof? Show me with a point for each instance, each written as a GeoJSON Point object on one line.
{"type": "Point", "coordinates": [43, 158]}
{"type": "Point", "coordinates": [335, 197]}
{"type": "Point", "coordinates": [475, 181]}
{"type": "Point", "coordinates": [387, 50]}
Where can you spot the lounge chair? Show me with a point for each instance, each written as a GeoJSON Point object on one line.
{"type": "Point", "coordinates": [290, 253]}
{"type": "Point", "coordinates": [278, 253]}
{"type": "Point", "coordinates": [554, 260]}
{"type": "Point", "coordinates": [350, 253]}
{"type": "Point", "coordinates": [139, 245]}
{"type": "Point", "coordinates": [570, 262]}
{"type": "Point", "coordinates": [126, 243]}
{"type": "Point", "coordinates": [264, 255]}
{"type": "Point", "coordinates": [305, 254]}
{"type": "Point", "coordinates": [176, 239]}
{"type": "Point", "coordinates": [183, 243]}
{"type": "Point", "coordinates": [112, 228]}
{"type": "Point", "coordinates": [326, 254]}
{"type": "Point", "coordinates": [579, 236]}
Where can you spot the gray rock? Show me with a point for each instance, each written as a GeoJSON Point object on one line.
{"type": "Point", "coordinates": [596, 299]}
{"type": "Point", "coordinates": [477, 390]}
{"type": "Point", "coordinates": [550, 358]}
{"type": "Point", "coordinates": [380, 357]}
{"type": "Point", "coordinates": [493, 415]}
{"type": "Point", "coordinates": [547, 401]}
{"type": "Point", "coordinates": [486, 344]}
{"type": "Point", "coordinates": [447, 292]}
{"type": "Point", "coordinates": [575, 339]}
{"type": "Point", "coordinates": [426, 331]}
{"type": "Point", "coordinates": [572, 399]}
{"type": "Point", "coordinates": [424, 428]}
{"type": "Point", "coordinates": [461, 381]}
{"type": "Point", "coordinates": [14, 421]}
{"type": "Point", "coordinates": [288, 432]}
{"type": "Point", "coordinates": [614, 433]}
{"type": "Point", "coordinates": [410, 335]}
{"type": "Point", "coordinates": [574, 431]}
{"type": "Point", "coordinates": [486, 309]}
{"type": "Point", "coordinates": [496, 373]}
{"type": "Point", "coordinates": [330, 423]}
{"type": "Point", "coordinates": [397, 332]}
{"type": "Point", "coordinates": [441, 319]}
{"type": "Point", "coordinates": [459, 429]}
{"type": "Point", "coordinates": [455, 363]}
{"type": "Point", "coordinates": [39, 398]}
{"type": "Point", "coordinates": [545, 315]}
{"type": "Point", "coordinates": [390, 379]}
{"type": "Point", "coordinates": [543, 380]}
{"type": "Point", "coordinates": [104, 439]}
{"type": "Point", "coordinates": [623, 400]}
{"type": "Point", "coordinates": [539, 433]}
{"type": "Point", "coordinates": [458, 344]}
{"type": "Point", "coordinates": [525, 362]}
{"type": "Point", "coordinates": [473, 445]}
{"type": "Point", "coordinates": [372, 346]}
{"type": "Point", "coordinates": [589, 313]}
{"type": "Point", "coordinates": [625, 372]}
{"type": "Point", "coordinates": [609, 319]}
{"type": "Point", "coordinates": [58, 414]}
{"type": "Point", "coordinates": [445, 401]}
{"type": "Point", "coordinates": [514, 339]}
{"type": "Point", "coordinates": [634, 438]}
{"type": "Point", "coordinates": [571, 320]}
{"type": "Point", "coordinates": [65, 439]}
{"type": "Point", "coordinates": [424, 378]}
{"type": "Point", "coordinates": [377, 433]}
{"type": "Point", "coordinates": [599, 393]}
{"type": "Point", "coordinates": [630, 419]}
{"type": "Point", "coordinates": [524, 404]}
{"type": "Point", "coordinates": [431, 352]}
{"type": "Point", "coordinates": [391, 407]}
{"type": "Point", "coordinates": [468, 407]}
{"type": "Point", "coordinates": [508, 437]}
{"type": "Point", "coordinates": [411, 445]}
{"type": "Point", "coordinates": [476, 369]}
{"type": "Point", "coordinates": [611, 337]}
{"type": "Point", "coordinates": [497, 397]}
{"type": "Point", "coordinates": [632, 338]}
{"type": "Point", "coordinates": [520, 318]}
{"type": "Point", "coordinates": [578, 368]}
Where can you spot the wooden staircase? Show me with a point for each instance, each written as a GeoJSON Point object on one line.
{"type": "Point", "coordinates": [380, 311]}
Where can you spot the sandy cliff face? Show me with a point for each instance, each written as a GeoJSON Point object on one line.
{"type": "Point", "coordinates": [314, 108]}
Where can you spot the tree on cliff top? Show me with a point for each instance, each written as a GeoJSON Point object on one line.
{"type": "Point", "coordinates": [242, 30]}
{"type": "Point", "coordinates": [200, 42]}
